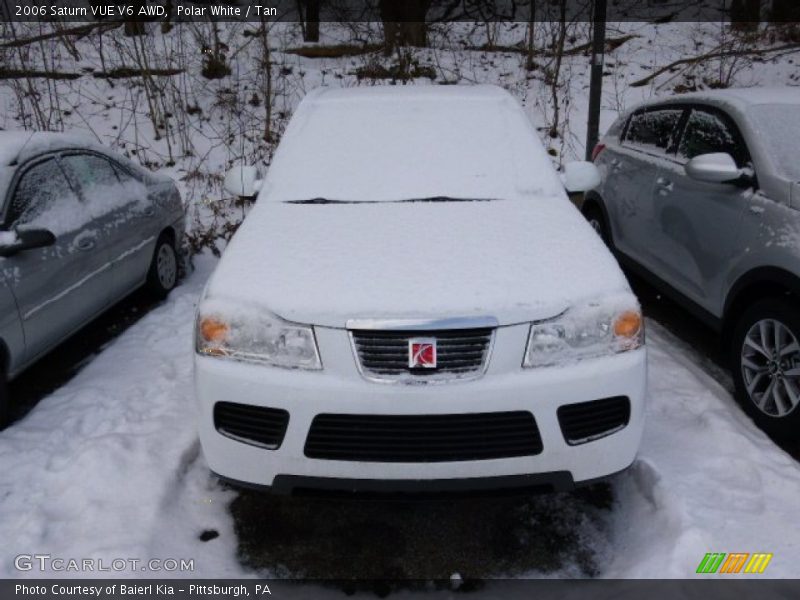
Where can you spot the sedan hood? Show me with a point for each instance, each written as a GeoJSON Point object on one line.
{"type": "Point", "coordinates": [326, 264]}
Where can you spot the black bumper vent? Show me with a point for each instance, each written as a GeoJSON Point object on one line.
{"type": "Point", "coordinates": [587, 421]}
{"type": "Point", "coordinates": [255, 425]}
{"type": "Point", "coordinates": [423, 438]}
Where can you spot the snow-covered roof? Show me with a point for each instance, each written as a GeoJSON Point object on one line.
{"type": "Point", "coordinates": [410, 142]}
{"type": "Point", "coordinates": [737, 98]}
{"type": "Point", "coordinates": [750, 96]}
{"type": "Point", "coordinates": [17, 145]}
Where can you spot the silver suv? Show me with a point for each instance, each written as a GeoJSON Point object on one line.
{"type": "Point", "coordinates": [701, 194]}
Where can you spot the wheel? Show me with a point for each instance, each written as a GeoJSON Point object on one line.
{"type": "Point", "coordinates": [5, 409]}
{"type": "Point", "coordinates": [163, 274]}
{"type": "Point", "coordinates": [597, 220]}
{"type": "Point", "coordinates": [766, 365]}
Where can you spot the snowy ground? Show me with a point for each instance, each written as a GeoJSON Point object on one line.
{"type": "Point", "coordinates": [108, 466]}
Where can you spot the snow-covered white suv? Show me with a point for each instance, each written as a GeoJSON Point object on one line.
{"type": "Point", "coordinates": [413, 304]}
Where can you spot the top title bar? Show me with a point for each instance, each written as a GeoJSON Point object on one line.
{"type": "Point", "coordinates": [430, 11]}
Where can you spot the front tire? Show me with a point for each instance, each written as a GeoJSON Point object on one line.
{"type": "Point", "coordinates": [766, 366]}
{"type": "Point", "coordinates": [163, 274]}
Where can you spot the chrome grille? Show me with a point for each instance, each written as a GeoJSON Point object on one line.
{"type": "Point", "coordinates": [460, 353]}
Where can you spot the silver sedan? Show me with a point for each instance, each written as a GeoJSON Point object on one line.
{"type": "Point", "coordinates": [80, 228]}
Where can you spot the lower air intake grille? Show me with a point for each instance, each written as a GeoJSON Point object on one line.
{"type": "Point", "coordinates": [588, 421]}
{"type": "Point", "coordinates": [255, 425]}
{"type": "Point", "coordinates": [423, 438]}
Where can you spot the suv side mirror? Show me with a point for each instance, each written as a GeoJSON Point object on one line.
{"type": "Point", "coordinates": [718, 167]}
{"type": "Point", "coordinates": [12, 242]}
{"type": "Point", "coordinates": [580, 176]}
{"type": "Point", "coordinates": [243, 181]}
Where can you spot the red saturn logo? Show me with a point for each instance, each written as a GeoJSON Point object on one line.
{"type": "Point", "coordinates": [422, 353]}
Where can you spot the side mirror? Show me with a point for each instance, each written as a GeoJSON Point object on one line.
{"type": "Point", "coordinates": [580, 176]}
{"type": "Point", "coordinates": [12, 242]}
{"type": "Point", "coordinates": [243, 181]}
{"type": "Point", "coordinates": [718, 167]}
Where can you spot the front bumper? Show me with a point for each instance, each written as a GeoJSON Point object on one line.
{"type": "Point", "coordinates": [340, 389]}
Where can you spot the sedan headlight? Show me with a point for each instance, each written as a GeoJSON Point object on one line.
{"type": "Point", "coordinates": [586, 333]}
{"type": "Point", "coordinates": [254, 335]}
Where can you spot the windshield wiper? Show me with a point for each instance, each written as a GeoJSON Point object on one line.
{"type": "Point", "coordinates": [319, 201]}
{"type": "Point", "coordinates": [403, 201]}
{"type": "Point", "coordinates": [446, 199]}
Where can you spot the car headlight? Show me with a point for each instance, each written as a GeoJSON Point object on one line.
{"type": "Point", "coordinates": [254, 335]}
{"type": "Point", "coordinates": [586, 333]}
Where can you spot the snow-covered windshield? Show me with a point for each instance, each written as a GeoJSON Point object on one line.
{"type": "Point", "coordinates": [392, 145]}
{"type": "Point", "coordinates": [779, 127]}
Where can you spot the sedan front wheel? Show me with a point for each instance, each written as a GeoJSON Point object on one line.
{"type": "Point", "coordinates": [766, 348]}
{"type": "Point", "coordinates": [163, 274]}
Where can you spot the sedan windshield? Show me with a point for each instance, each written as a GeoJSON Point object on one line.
{"type": "Point", "coordinates": [779, 126]}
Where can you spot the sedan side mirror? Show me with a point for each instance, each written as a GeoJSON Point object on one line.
{"type": "Point", "coordinates": [243, 181]}
{"type": "Point", "coordinates": [718, 167]}
{"type": "Point", "coordinates": [12, 242]}
{"type": "Point", "coordinates": [580, 176]}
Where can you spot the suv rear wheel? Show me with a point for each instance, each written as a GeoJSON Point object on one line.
{"type": "Point", "coordinates": [766, 365]}
{"type": "Point", "coordinates": [5, 411]}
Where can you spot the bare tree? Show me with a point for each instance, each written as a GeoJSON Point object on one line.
{"type": "Point", "coordinates": [404, 23]}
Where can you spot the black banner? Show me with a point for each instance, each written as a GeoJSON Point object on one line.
{"type": "Point", "coordinates": [396, 10]}
{"type": "Point", "coordinates": [702, 588]}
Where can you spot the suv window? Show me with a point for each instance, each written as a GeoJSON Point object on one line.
{"type": "Point", "coordinates": [44, 198]}
{"type": "Point", "coordinates": [709, 131]}
{"type": "Point", "coordinates": [653, 130]}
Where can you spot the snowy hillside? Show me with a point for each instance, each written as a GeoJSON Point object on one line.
{"type": "Point", "coordinates": [200, 99]}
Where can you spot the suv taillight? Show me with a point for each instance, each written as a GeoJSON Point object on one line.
{"type": "Point", "coordinates": [597, 150]}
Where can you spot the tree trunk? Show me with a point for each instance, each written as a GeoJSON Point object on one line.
{"type": "Point", "coordinates": [785, 11]}
{"type": "Point", "coordinates": [134, 28]}
{"type": "Point", "coordinates": [745, 14]}
{"type": "Point", "coordinates": [404, 23]}
{"type": "Point", "coordinates": [311, 33]}
{"type": "Point", "coordinates": [529, 62]}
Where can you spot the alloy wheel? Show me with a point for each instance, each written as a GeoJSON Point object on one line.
{"type": "Point", "coordinates": [770, 363]}
{"type": "Point", "coordinates": [166, 267]}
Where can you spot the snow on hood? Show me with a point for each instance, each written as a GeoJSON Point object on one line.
{"type": "Point", "coordinates": [513, 260]}
{"type": "Point", "coordinates": [500, 239]}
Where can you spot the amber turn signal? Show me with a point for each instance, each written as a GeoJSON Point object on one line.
{"type": "Point", "coordinates": [213, 330]}
{"type": "Point", "coordinates": [628, 324]}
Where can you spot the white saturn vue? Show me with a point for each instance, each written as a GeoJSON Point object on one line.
{"type": "Point", "coordinates": [414, 305]}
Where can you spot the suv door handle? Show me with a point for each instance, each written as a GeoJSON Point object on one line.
{"type": "Point", "coordinates": [149, 211]}
{"type": "Point", "coordinates": [664, 185]}
{"type": "Point", "coordinates": [86, 244]}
